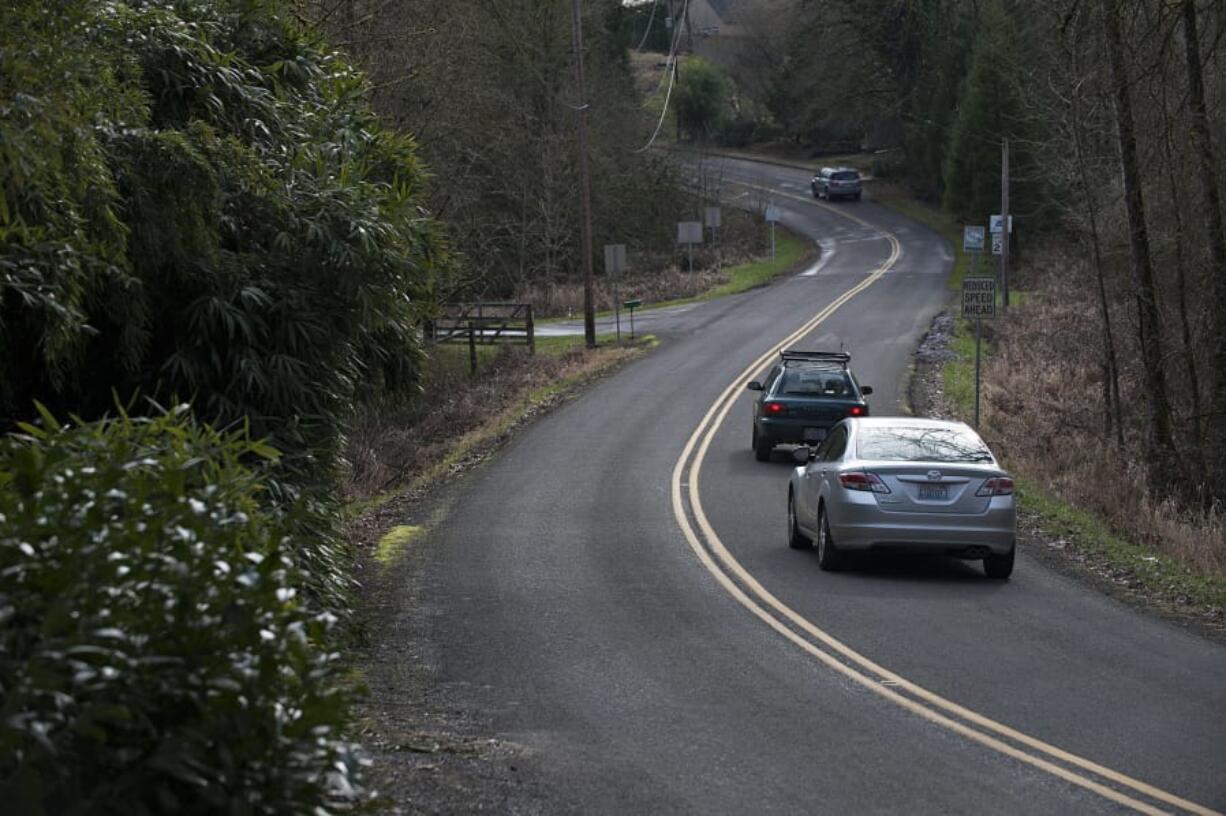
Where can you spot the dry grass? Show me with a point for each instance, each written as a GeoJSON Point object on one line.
{"type": "Point", "coordinates": [566, 299]}
{"type": "Point", "coordinates": [1043, 409]}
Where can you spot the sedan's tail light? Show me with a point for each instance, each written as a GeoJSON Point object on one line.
{"type": "Point", "coordinates": [774, 408]}
{"type": "Point", "coordinates": [997, 486]}
{"type": "Point", "coordinates": [863, 481]}
{"type": "Point", "coordinates": [857, 410]}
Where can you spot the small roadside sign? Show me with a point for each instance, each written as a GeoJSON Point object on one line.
{"type": "Point", "coordinates": [689, 232]}
{"type": "Point", "coordinates": [632, 305]}
{"type": "Point", "coordinates": [614, 259]}
{"type": "Point", "coordinates": [998, 241]}
{"type": "Point", "coordinates": [772, 213]}
{"type": "Point", "coordinates": [972, 239]}
{"type": "Point", "coordinates": [994, 222]}
{"type": "Point", "coordinates": [711, 217]}
{"type": "Point", "coordinates": [979, 297]}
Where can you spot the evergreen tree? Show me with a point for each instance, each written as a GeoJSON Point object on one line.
{"type": "Point", "coordinates": [987, 113]}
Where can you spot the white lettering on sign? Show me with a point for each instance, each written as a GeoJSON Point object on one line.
{"type": "Point", "coordinates": [979, 297]}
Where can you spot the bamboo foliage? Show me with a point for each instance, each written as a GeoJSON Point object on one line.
{"type": "Point", "coordinates": [207, 207]}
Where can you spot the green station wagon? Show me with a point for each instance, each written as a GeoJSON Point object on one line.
{"type": "Point", "coordinates": [804, 395]}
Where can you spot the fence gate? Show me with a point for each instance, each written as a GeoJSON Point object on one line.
{"type": "Point", "coordinates": [483, 324]}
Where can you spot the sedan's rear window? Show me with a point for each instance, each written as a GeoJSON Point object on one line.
{"type": "Point", "coordinates": [846, 175]}
{"type": "Point", "coordinates": [903, 443]}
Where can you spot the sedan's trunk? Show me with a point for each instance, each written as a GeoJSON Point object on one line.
{"type": "Point", "coordinates": [932, 487]}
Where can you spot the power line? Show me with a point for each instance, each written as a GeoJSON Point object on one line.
{"type": "Point", "coordinates": [650, 18]}
{"type": "Point", "coordinates": [672, 76]}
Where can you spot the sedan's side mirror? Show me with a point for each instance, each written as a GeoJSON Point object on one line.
{"type": "Point", "coordinates": [866, 390]}
{"type": "Point", "coordinates": [754, 386]}
{"type": "Point", "coordinates": [802, 455]}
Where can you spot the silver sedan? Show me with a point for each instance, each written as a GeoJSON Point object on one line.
{"type": "Point", "coordinates": [903, 484]}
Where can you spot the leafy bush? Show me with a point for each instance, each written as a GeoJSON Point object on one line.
{"type": "Point", "coordinates": [701, 96]}
{"type": "Point", "coordinates": [154, 654]}
{"type": "Point", "coordinates": [196, 199]}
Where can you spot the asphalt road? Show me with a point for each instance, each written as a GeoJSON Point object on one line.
{"type": "Point", "coordinates": [614, 593]}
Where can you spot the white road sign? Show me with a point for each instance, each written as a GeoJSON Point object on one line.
{"type": "Point", "coordinates": [994, 223]}
{"type": "Point", "coordinates": [972, 239]}
{"type": "Point", "coordinates": [772, 213]}
{"type": "Point", "coordinates": [979, 297]}
{"type": "Point", "coordinates": [614, 259]}
{"type": "Point", "coordinates": [998, 241]}
{"type": "Point", "coordinates": [689, 232]}
{"type": "Point", "coordinates": [711, 216]}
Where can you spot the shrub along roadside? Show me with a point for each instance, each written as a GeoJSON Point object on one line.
{"type": "Point", "coordinates": [156, 653]}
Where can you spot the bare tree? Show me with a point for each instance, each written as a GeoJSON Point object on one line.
{"type": "Point", "coordinates": [1161, 444]}
{"type": "Point", "coordinates": [1211, 206]}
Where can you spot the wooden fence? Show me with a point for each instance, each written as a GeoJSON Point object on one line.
{"type": "Point", "coordinates": [483, 324]}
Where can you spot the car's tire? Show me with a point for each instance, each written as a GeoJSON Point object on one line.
{"type": "Point", "coordinates": [761, 447]}
{"type": "Point", "coordinates": [999, 567]}
{"type": "Point", "coordinates": [828, 556]}
{"type": "Point", "coordinates": [796, 539]}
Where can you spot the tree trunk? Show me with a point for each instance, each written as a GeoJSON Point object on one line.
{"type": "Point", "coordinates": [1111, 377]}
{"type": "Point", "coordinates": [1211, 208]}
{"type": "Point", "coordinates": [1161, 447]}
{"type": "Point", "coordinates": [1185, 323]}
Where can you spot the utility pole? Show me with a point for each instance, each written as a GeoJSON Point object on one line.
{"type": "Point", "coordinates": [1004, 216]}
{"type": "Point", "coordinates": [585, 182]}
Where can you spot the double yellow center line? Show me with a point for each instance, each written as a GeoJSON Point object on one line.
{"type": "Point", "coordinates": [746, 590]}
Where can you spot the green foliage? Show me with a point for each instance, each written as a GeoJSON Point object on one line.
{"type": "Point", "coordinates": [987, 114]}
{"type": "Point", "coordinates": [700, 99]}
{"type": "Point", "coordinates": [155, 655]}
{"type": "Point", "coordinates": [197, 200]}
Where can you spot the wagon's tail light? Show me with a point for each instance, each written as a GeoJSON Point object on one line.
{"type": "Point", "coordinates": [863, 481]}
{"type": "Point", "coordinates": [774, 408]}
{"type": "Point", "coordinates": [997, 486]}
{"type": "Point", "coordinates": [857, 410]}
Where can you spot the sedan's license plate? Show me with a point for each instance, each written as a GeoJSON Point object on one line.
{"type": "Point", "coordinates": [815, 434]}
{"type": "Point", "coordinates": [934, 491]}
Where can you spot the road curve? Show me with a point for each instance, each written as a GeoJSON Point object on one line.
{"type": "Point", "coordinates": [614, 593]}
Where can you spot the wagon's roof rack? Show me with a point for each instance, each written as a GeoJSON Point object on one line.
{"type": "Point", "coordinates": [841, 357]}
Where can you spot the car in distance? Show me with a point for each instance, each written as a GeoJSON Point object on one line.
{"type": "Point", "coordinates": [803, 396]}
{"type": "Point", "coordinates": [836, 182]}
{"type": "Point", "coordinates": [903, 484]}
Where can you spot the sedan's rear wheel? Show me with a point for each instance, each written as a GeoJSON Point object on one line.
{"type": "Point", "coordinates": [999, 567]}
{"type": "Point", "coordinates": [828, 556]}
{"type": "Point", "coordinates": [796, 539]}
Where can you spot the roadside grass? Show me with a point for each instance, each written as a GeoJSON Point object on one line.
{"type": "Point", "coordinates": [1127, 562]}
{"type": "Point", "coordinates": [1144, 549]}
{"type": "Point", "coordinates": [790, 250]}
